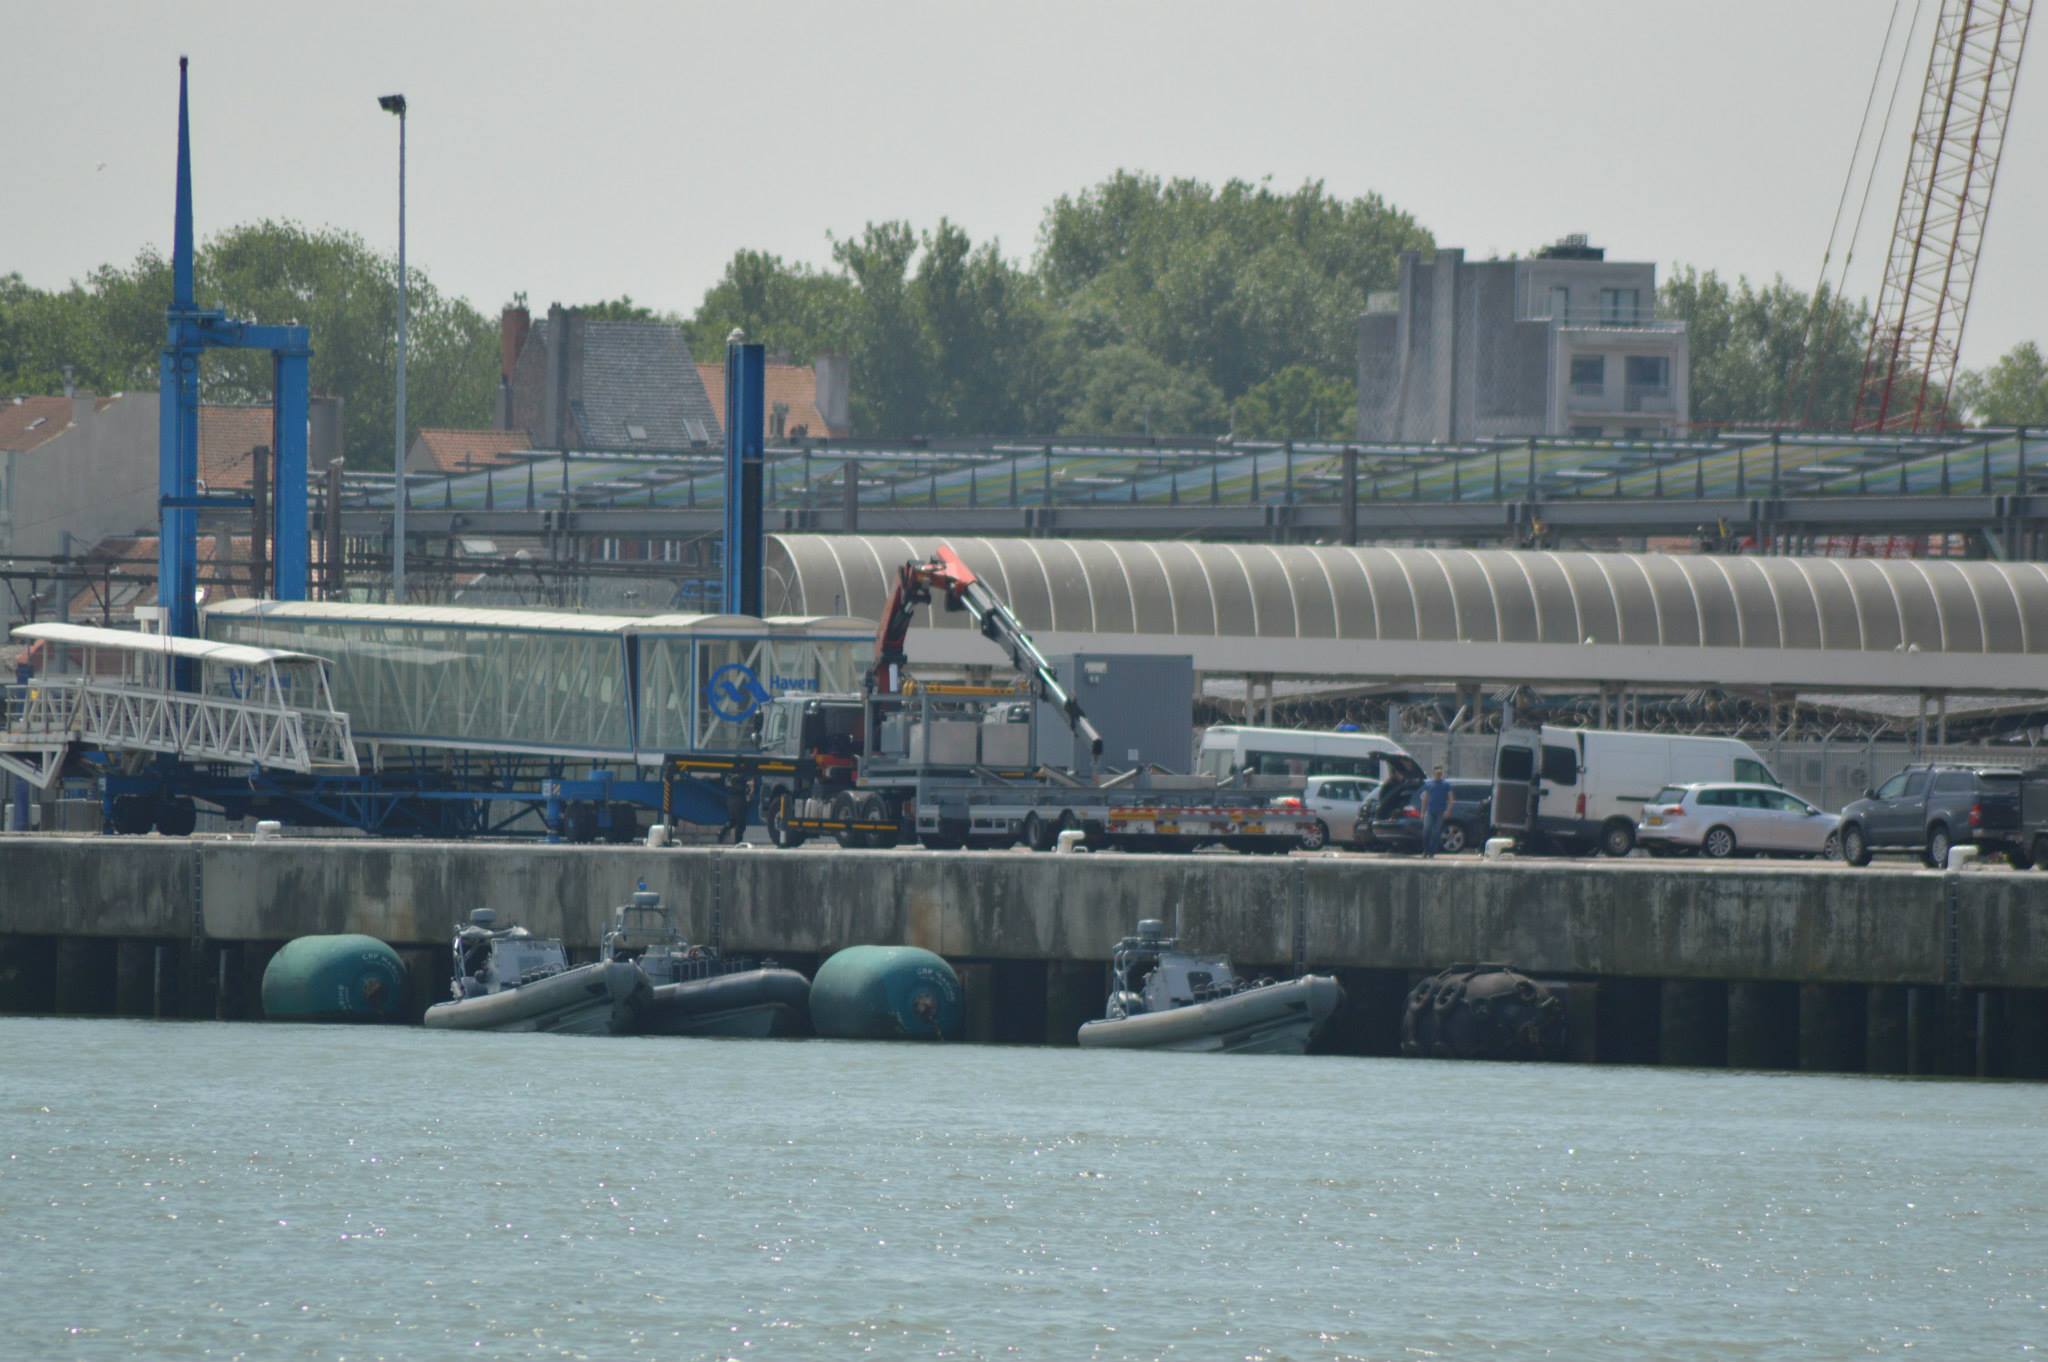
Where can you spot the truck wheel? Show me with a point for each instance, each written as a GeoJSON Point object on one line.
{"type": "Point", "coordinates": [625, 824]}
{"type": "Point", "coordinates": [1037, 836]}
{"type": "Point", "coordinates": [873, 809]}
{"type": "Point", "coordinates": [2019, 857]}
{"type": "Point", "coordinates": [1831, 850]}
{"type": "Point", "coordinates": [579, 823]}
{"type": "Point", "coordinates": [1855, 845]}
{"type": "Point", "coordinates": [1316, 835]}
{"type": "Point", "coordinates": [846, 809]}
{"type": "Point", "coordinates": [177, 817]}
{"type": "Point", "coordinates": [1719, 843]}
{"type": "Point", "coordinates": [1450, 840]}
{"type": "Point", "coordinates": [1938, 844]}
{"type": "Point", "coordinates": [1618, 838]}
{"type": "Point", "coordinates": [133, 815]}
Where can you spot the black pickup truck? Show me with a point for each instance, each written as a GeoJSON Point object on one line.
{"type": "Point", "coordinates": [1929, 808]}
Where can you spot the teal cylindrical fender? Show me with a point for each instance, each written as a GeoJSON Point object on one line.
{"type": "Point", "coordinates": [886, 993]}
{"type": "Point", "coordinates": [334, 978]}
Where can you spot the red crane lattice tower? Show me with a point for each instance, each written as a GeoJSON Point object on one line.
{"type": "Point", "coordinates": [1951, 167]}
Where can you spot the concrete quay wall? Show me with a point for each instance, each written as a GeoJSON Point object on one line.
{"type": "Point", "coordinates": [1635, 919]}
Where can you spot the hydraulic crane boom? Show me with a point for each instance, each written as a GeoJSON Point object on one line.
{"type": "Point", "coordinates": [963, 590]}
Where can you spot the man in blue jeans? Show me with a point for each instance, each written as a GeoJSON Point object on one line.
{"type": "Point", "coordinates": [1436, 802]}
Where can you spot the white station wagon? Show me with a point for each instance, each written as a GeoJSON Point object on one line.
{"type": "Point", "coordinates": [1720, 820]}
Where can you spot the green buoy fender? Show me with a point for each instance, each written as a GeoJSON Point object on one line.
{"type": "Point", "coordinates": [886, 993]}
{"type": "Point", "coordinates": [334, 978]}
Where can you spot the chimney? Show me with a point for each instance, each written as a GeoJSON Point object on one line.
{"type": "Point", "coordinates": [834, 378]}
{"type": "Point", "coordinates": [512, 328]}
{"type": "Point", "coordinates": [554, 412]}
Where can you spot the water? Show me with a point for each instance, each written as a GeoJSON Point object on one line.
{"type": "Point", "coordinates": [223, 1191]}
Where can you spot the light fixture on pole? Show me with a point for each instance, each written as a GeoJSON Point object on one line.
{"type": "Point", "coordinates": [396, 104]}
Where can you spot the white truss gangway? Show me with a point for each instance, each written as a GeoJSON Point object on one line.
{"type": "Point", "coordinates": [116, 690]}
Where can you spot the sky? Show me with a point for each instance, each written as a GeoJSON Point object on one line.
{"type": "Point", "coordinates": [579, 152]}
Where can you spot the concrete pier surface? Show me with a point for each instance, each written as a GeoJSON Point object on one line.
{"type": "Point", "coordinates": [1811, 964]}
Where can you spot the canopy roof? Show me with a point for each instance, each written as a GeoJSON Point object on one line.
{"type": "Point", "coordinates": [130, 641]}
{"type": "Point", "coordinates": [1856, 624]}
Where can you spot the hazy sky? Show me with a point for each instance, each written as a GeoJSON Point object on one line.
{"type": "Point", "coordinates": [578, 152]}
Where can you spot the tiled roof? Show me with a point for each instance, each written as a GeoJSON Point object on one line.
{"type": "Point", "coordinates": [26, 422]}
{"type": "Point", "coordinates": [226, 436]}
{"type": "Point", "coordinates": [638, 377]}
{"type": "Point", "coordinates": [793, 385]}
{"type": "Point", "coordinates": [456, 451]}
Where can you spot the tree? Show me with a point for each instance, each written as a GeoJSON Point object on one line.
{"type": "Point", "coordinates": [1300, 402]}
{"type": "Point", "coordinates": [1767, 354]}
{"type": "Point", "coordinates": [2012, 392]}
{"type": "Point", "coordinates": [110, 329]}
{"type": "Point", "coordinates": [1127, 390]}
{"type": "Point", "coordinates": [623, 309]}
{"type": "Point", "coordinates": [1236, 282]}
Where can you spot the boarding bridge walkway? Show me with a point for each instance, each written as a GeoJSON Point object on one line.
{"type": "Point", "coordinates": [254, 707]}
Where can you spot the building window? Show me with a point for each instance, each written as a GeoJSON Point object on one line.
{"type": "Point", "coordinates": [1585, 432]}
{"type": "Point", "coordinates": [1649, 373]}
{"type": "Point", "coordinates": [1589, 374]}
{"type": "Point", "coordinates": [1619, 306]}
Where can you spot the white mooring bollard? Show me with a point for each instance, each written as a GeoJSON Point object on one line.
{"type": "Point", "coordinates": [1962, 858]}
{"type": "Point", "coordinates": [657, 835]}
{"type": "Point", "coordinates": [1498, 848]}
{"type": "Point", "coordinates": [1071, 841]}
{"type": "Point", "coordinates": [269, 829]}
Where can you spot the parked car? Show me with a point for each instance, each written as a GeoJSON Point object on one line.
{"type": "Point", "coordinates": [1577, 790]}
{"type": "Point", "coordinates": [1928, 808]}
{"type": "Point", "coordinates": [1335, 801]}
{"type": "Point", "coordinates": [1723, 819]}
{"type": "Point", "coordinates": [1392, 819]}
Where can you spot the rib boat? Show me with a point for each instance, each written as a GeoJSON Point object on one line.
{"type": "Point", "coordinates": [696, 991]}
{"type": "Point", "coordinates": [1164, 998]}
{"type": "Point", "coordinates": [507, 979]}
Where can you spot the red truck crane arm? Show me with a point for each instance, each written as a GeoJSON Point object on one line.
{"type": "Point", "coordinates": [962, 590]}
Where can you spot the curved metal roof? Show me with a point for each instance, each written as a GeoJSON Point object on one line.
{"type": "Point", "coordinates": [1472, 614]}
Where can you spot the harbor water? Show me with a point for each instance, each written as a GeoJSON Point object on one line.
{"type": "Point", "coordinates": [224, 1191]}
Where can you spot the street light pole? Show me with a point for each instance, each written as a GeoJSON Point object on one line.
{"type": "Point", "coordinates": [396, 104]}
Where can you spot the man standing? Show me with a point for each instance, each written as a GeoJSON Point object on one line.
{"type": "Point", "coordinates": [739, 799]}
{"type": "Point", "coordinates": [1436, 802]}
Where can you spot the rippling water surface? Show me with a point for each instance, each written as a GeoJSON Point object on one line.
{"type": "Point", "coordinates": [220, 1191]}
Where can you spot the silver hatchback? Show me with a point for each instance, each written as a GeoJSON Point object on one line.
{"type": "Point", "coordinates": [1723, 819]}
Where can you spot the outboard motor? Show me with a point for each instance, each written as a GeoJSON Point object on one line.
{"type": "Point", "coordinates": [1483, 1012]}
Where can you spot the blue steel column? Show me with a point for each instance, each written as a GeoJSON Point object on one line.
{"type": "Point", "coordinates": [178, 410]}
{"type": "Point", "coordinates": [745, 440]}
{"type": "Point", "coordinates": [288, 499]}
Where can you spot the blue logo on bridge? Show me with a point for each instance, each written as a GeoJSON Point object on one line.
{"type": "Point", "coordinates": [734, 692]}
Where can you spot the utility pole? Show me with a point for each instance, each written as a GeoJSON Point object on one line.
{"type": "Point", "coordinates": [396, 104]}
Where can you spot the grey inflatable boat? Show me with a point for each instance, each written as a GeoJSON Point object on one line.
{"type": "Point", "coordinates": [510, 980]}
{"type": "Point", "coordinates": [1163, 998]}
{"type": "Point", "coordinates": [698, 992]}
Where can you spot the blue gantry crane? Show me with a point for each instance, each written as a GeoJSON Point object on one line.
{"type": "Point", "coordinates": [190, 331]}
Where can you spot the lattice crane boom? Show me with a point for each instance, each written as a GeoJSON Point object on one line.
{"type": "Point", "coordinates": [1909, 363]}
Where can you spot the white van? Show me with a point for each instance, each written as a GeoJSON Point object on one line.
{"type": "Point", "coordinates": [1227, 749]}
{"type": "Point", "coordinates": [1578, 789]}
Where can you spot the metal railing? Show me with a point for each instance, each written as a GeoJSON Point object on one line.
{"type": "Point", "coordinates": [115, 716]}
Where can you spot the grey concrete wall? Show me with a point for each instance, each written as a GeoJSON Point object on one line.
{"type": "Point", "coordinates": [1625, 919]}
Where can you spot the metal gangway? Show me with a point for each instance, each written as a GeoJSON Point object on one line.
{"type": "Point", "coordinates": [118, 691]}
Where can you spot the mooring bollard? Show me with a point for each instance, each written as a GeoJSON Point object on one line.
{"type": "Point", "coordinates": [1498, 848]}
{"type": "Point", "coordinates": [1961, 858]}
{"type": "Point", "coordinates": [657, 835]}
{"type": "Point", "coordinates": [1071, 840]}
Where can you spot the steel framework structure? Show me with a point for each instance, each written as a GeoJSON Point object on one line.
{"type": "Point", "coordinates": [1909, 363]}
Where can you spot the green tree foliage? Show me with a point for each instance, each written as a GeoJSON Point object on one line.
{"type": "Point", "coordinates": [623, 309]}
{"type": "Point", "coordinates": [1236, 282]}
{"type": "Point", "coordinates": [1300, 400]}
{"type": "Point", "coordinates": [110, 327]}
{"type": "Point", "coordinates": [1751, 360]}
{"type": "Point", "coordinates": [2012, 392]}
{"type": "Point", "coordinates": [1128, 390]}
